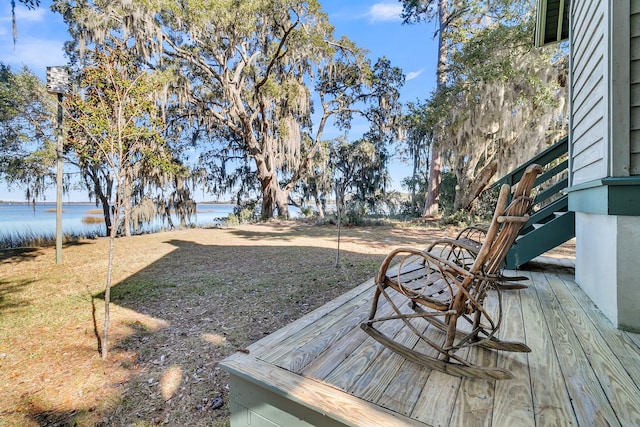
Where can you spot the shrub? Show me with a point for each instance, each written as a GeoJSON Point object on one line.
{"type": "Point", "coordinates": [31, 239]}
{"type": "Point", "coordinates": [245, 213]}
{"type": "Point", "coordinates": [92, 219]}
{"type": "Point", "coordinates": [459, 218]}
{"type": "Point", "coordinates": [307, 211]}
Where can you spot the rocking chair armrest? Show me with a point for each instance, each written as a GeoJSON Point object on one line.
{"type": "Point", "coordinates": [454, 243]}
{"type": "Point", "coordinates": [412, 255]}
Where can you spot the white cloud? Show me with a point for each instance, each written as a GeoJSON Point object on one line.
{"type": "Point", "coordinates": [384, 12]}
{"type": "Point", "coordinates": [26, 15]}
{"type": "Point", "coordinates": [23, 15]}
{"type": "Point", "coordinates": [412, 75]}
{"type": "Point", "coordinates": [27, 22]}
{"type": "Point", "coordinates": [36, 53]}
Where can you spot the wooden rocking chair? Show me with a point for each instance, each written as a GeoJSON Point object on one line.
{"type": "Point", "coordinates": [447, 285]}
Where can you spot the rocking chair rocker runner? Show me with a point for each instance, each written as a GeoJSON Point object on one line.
{"type": "Point", "coordinates": [447, 286]}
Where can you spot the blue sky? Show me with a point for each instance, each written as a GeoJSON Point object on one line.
{"type": "Point", "coordinates": [374, 25]}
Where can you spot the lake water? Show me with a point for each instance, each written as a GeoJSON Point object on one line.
{"type": "Point", "coordinates": [22, 219]}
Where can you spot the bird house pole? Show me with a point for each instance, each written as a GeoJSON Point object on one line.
{"type": "Point", "coordinates": [59, 84]}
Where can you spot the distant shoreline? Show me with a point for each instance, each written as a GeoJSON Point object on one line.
{"type": "Point", "coordinates": [14, 202]}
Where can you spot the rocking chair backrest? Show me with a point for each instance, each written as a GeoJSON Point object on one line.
{"type": "Point", "coordinates": [506, 223]}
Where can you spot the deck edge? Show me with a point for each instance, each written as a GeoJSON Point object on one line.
{"type": "Point", "coordinates": [323, 399]}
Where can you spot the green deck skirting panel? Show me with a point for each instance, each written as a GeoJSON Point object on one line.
{"type": "Point", "coordinates": [607, 196]}
{"type": "Point", "coordinates": [255, 406]}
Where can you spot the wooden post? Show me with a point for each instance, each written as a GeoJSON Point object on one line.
{"type": "Point", "coordinates": [58, 83]}
{"type": "Point", "coordinates": [59, 153]}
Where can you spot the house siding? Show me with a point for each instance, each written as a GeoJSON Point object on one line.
{"type": "Point", "coordinates": [589, 102]}
{"type": "Point", "coordinates": [634, 135]}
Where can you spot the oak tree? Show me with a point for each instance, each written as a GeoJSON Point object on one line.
{"type": "Point", "coordinates": [246, 74]}
{"type": "Point", "coordinates": [501, 98]}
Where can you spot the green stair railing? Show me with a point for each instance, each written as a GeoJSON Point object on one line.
{"type": "Point", "coordinates": [551, 224]}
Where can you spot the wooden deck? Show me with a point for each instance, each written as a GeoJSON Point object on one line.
{"type": "Point", "coordinates": [324, 370]}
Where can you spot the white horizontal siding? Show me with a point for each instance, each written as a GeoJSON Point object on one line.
{"type": "Point", "coordinates": [589, 91]}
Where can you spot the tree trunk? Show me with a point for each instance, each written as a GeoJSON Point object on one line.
{"type": "Point", "coordinates": [106, 212]}
{"type": "Point", "coordinates": [414, 178]}
{"type": "Point", "coordinates": [319, 206]}
{"type": "Point", "coordinates": [273, 197]}
{"type": "Point", "coordinates": [103, 197]}
{"type": "Point", "coordinates": [282, 201]}
{"type": "Point", "coordinates": [127, 208]}
{"type": "Point", "coordinates": [167, 212]}
{"type": "Point", "coordinates": [432, 204]}
{"type": "Point", "coordinates": [469, 189]}
{"type": "Point", "coordinates": [107, 290]}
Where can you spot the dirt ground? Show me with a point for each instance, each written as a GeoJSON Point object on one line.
{"type": "Point", "coordinates": [181, 302]}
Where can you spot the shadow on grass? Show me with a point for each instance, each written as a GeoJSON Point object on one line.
{"type": "Point", "coordinates": [96, 331]}
{"type": "Point", "coordinates": [14, 256]}
{"type": "Point", "coordinates": [7, 289]}
{"type": "Point", "coordinates": [17, 255]}
{"type": "Point", "coordinates": [215, 299]}
{"type": "Point", "coordinates": [56, 418]}
{"type": "Point", "coordinates": [195, 270]}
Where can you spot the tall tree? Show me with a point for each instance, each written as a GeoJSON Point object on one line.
{"type": "Point", "coordinates": [115, 126]}
{"type": "Point", "coordinates": [505, 103]}
{"type": "Point", "coordinates": [417, 135]}
{"type": "Point", "coordinates": [26, 143]}
{"type": "Point", "coordinates": [496, 94]}
{"type": "Point", "coordinates": [445, 14]}
{"type": "Point", "coordinates": [246, 71]}
{"type": "Point", "coordinates": [355, 166]}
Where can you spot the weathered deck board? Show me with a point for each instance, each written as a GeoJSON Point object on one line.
{"type": "Point", "coordinates": [621, 391]}
{"type": "Point", "coordinates": [581, 371]}
{"type": "Point", "coordinates": [362, 358]}
{"type": "Point", "coordinates": [549, 392]}
{"type": "Point", "coordinates": [513, 403]}
{"type": "Point", "coordinates": [373, 382]}
{"type": "Point", "coordinates": [474, 402]}
{"type": "Point", "coordinates": [313, 338]}
{"type": "Point", "coordinates": [437, 400]}
{"type": "Point", "coordinates": [397, 396]}
{"type": "Point", "coordinates": [439, 393]}
{"type": "Point", "coordinates": [620, 342]}
{"type": "Point", "coordinates": [328, 361]}
{"type": "Point", "coordinates": [295, 352]}
{"type": "Point", "coordinates": [589, 401]}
